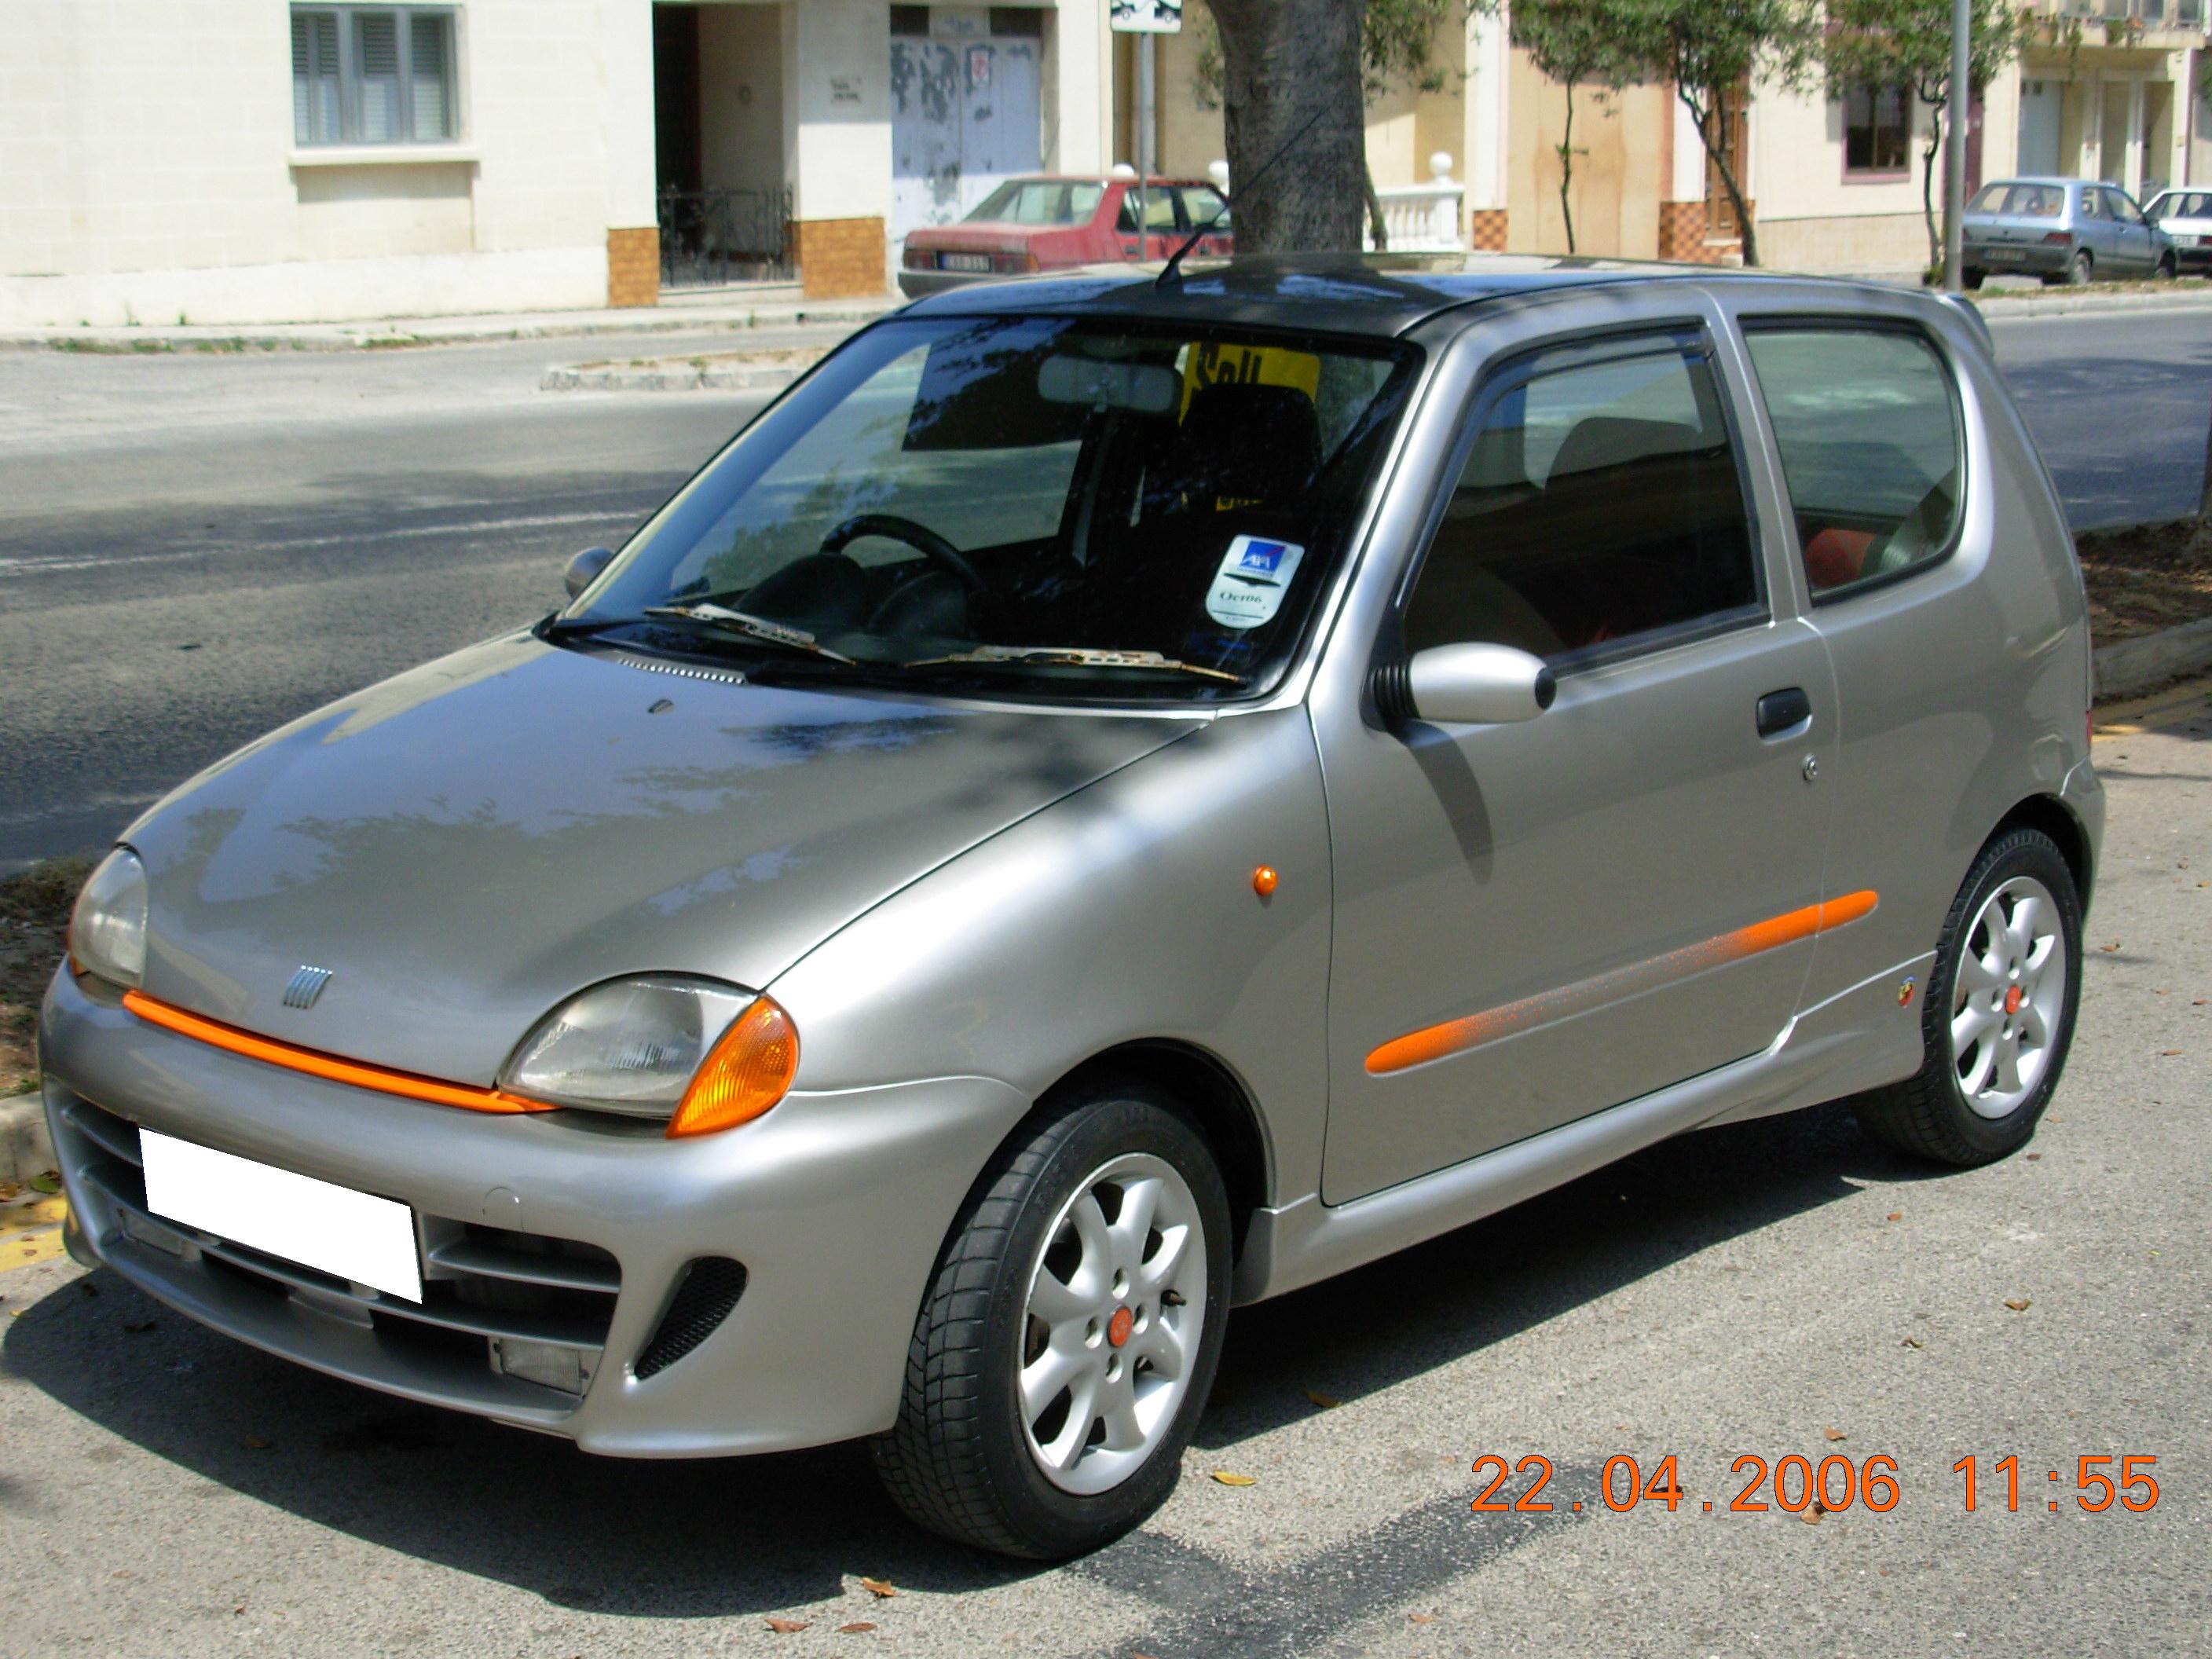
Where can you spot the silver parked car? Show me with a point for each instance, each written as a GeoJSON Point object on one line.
{"type": "Point", "coordinates": [1113, 799]}
{"type": "Point", "coordinates": [2186, 216]}
{"type": "Point", "coordinates": [2063, 230]}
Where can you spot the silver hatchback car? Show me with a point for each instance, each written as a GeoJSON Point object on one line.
{"type": "Point", "coordinates": [2064, 230]}
{"type": "Point", "coordinates": [1113, 798]}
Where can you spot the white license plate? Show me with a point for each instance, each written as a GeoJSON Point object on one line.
{"type": "Point", "coordinates": [337, 1230]}
{"type": "Point", "coordinates": [2004, 253]}
{"type": "Point", "coordinates": [963, 262]}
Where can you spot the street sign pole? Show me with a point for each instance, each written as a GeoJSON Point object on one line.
{"type": "Point", "coordinates": [1958, 114]}
{"type": "Point", "coordinates": [1146, 126]}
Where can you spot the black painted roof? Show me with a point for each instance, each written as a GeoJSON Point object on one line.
{"type": "Point", "coordinates": [1379, 293]}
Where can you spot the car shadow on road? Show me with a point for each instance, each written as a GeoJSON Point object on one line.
{"type": "Point", "coordinates": [722, 1537]}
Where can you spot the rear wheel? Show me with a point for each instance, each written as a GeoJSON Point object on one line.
{"type": "Point", "coordinates": [1069, 1339]}
{"type": "Point", "coordinates": [1971, 278]}
{"type": "Point", "coordinates": [2081, 270]}
{"type": "Point", "coordinates": [1999, 1013]}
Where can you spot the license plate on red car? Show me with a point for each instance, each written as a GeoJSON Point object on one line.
{"type": "Point", "coordinates": [963, 262]}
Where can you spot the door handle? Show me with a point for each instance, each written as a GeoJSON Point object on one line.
{"type": "Point", "coordinates": [1784, 711]}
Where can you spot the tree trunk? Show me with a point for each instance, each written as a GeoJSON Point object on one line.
{"type": "Point", "coordinates": [1927, 202]}
{"type": "Point", "coordinates": [1378, 227]}
{"type": "Point", "coordinates": [1284, 63]}
{"type": "Point", "coordinates": [1707, 137]}
{"type": "Point", "coordinates": [1567, 167]}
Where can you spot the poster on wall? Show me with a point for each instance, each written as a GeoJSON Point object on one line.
{"type": "Point", "coordinates": [1148, 16]}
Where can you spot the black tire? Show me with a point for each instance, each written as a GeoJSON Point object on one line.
{"type": "Point", "coordinates": [2168, 269]}
{"type": "Point", "coordinates": [958, 1460]}
{"type": "Point", "coordinates": [2081, 270]}
{"type": "Point", "coordinates": [1927, 1115]}
{"type": "Point", "coordinates": [1971, 278]}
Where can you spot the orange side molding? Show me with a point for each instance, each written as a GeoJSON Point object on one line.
{"type": "Point", "coordinates": [229, 1038]}
{"type": "Point", "coordinates": [1455, 1037]}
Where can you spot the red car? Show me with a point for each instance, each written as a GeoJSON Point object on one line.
{"type": "Point", "coordinates": [1048, 223]}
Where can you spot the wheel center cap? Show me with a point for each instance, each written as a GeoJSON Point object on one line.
{"type": "Point", "coordinates": [2013, 999]}
{"type": "Point", "coordinates": [1119, 1326]}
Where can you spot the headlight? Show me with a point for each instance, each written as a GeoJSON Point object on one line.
{"type": "Point", "coordinates": [697, 1054]}
{"type": "Point", "coordinates": [107, 929]}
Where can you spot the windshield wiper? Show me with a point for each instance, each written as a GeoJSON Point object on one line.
{"type": "Point", "coordinates": [724, 620]}
{"type": "Point", "coordinates": [1080, 656]}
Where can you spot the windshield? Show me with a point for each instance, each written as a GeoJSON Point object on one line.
{"type": "Point", "coordinates": [2019, 200]}
{"type": "Point", "coordinates": [1040, 202]}
{"type": "Point", "coordinates": [1039, 505]}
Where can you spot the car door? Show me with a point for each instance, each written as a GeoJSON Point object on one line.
{"type": "Point", "coordinates": [2093, 230]}
{"type": "Point", "coordinates": [2133, 234]}
{"type": "Point", "coordinates": [1538, 920]}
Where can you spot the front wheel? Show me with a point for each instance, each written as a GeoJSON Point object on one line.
{"type": "Point", "coordinates": [1999, 1013]}
{"type": "Point", "coordinates": [1070, 1335]}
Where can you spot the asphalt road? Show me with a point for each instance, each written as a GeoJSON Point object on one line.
{"type": "Point", "coordinates": [1777, 1289]}
{"type": "Point", "coordinates": [196, 548]}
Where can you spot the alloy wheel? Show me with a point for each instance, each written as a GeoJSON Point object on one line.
{"type": "Point", "coordinates": [1112, 1323]}
{"type": "Point", "coordinates": [2008, 996]}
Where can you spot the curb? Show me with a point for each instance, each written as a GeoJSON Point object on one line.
{"type": "Point", "coordinates": [25, 1148]}
{"type": "Point", "coordinates": [393, 333]}
{"type": "Point", "coordinates": [577, 378]}
{"type": "Point", "coordinates": [2077, 305]}
{"type": "Point", "coordinates": [2128, 667]}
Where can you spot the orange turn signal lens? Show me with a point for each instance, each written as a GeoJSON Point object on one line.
{"type": "Point", "coordinates": [749, 1071]}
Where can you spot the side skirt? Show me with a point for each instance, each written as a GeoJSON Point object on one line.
{"type": "Point", "coordinates": [1859, 1039]}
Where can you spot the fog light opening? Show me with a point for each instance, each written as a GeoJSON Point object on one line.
{"type": "Point", "coordinates": [548, 1364]}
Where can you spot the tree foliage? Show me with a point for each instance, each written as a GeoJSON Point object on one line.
{"type": "Point", "coordinates": [1907, 43]}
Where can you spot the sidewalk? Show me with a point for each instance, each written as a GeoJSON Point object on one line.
{"type": "Point", "coordinates": [778, 306]}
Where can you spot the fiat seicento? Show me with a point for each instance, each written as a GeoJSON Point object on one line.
{"type": "Point", "coordinates": [1114, 796]}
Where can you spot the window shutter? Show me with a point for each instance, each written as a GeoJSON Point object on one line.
{"type": "Point", "coordinates": [314, 78]}
{"type": "Point", "coordinates": [376, 41]}
{"type": "Point", "coordinates": [430, 70]}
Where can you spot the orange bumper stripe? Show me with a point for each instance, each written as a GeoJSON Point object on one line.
{"type": "Point", "coordinates": [1455, 1037]}
{"type": "Point", "coordinates": [269, 1051]}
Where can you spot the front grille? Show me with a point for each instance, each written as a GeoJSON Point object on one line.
{"type": "Point", "coordinates": [480, 1284]}
{"type": "Point", "coordinates": [710, 1287]}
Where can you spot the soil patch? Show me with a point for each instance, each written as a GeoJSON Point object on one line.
{"type": "Point", "coordinates": [34, 911]}
{"type": "Point", "coordinates": [2142, 581]}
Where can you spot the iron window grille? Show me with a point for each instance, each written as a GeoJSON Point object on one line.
{"type": "Point", "coordinates": [373, 75]}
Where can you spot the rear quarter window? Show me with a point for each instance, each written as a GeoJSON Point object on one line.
{"type": "Point", "coordinates": [1867, 428]}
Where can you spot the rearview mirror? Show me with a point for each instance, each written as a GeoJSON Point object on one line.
{"type": "Point", "coordinates": [584, 569]}
{"type": "Point", "coordinates": [1479, 684]}
{"type": "Point", "coordinates": [1139, 388]}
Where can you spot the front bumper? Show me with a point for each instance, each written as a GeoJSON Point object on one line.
{"type": "Point", "coordinates": [836, 1206]}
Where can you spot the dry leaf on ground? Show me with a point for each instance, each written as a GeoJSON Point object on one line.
{"type": "Point", "coordinates": [880, 1588]}
{"type": "Point", "coordinates": [1326, 1402]}
{"type": "Point", "coordinates": [786, 1627]}
{"type": "Point", "coordinates": [858, 1627]}
{"type": "Point", "coordinates": [1835, 1434]}
{"type": "Point", "coordinates": [1228, 1480]}
{"type": "Point", "coordinates": [2018, 1305]}
{"type": "Point", "coordinates": [1897, 1215]}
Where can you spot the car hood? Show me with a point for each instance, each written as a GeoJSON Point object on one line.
{"type": "Point", "coordinates": [468, 843]}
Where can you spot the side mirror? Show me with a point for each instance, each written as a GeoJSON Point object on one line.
{"type": "Point", "coordinates": [584, 569]}
{"type": "Point", "coordinates": [1478, 684]}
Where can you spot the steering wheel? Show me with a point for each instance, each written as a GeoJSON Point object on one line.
{"type": "Point", "coordinates": [921, 538]}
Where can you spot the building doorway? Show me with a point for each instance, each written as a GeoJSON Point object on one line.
{"type": "Point", "coordinates": [2039, 103]}
{"type": "Point", "coordinates": [723, 202]}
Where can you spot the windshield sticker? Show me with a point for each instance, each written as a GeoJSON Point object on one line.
{"type": "Point", "coordinates": [1209, 363]}
{"type": "Point", "coordinates": [1255, 574]}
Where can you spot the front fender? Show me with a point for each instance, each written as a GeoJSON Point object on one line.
{"type": "Point", "coordinates": [1125, 911]}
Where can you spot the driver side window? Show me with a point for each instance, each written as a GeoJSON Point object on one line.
{"type": "Point", "coordinates": [1600, 506]}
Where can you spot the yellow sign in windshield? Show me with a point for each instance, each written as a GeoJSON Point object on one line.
{"type": "Point", "coordinates": [1213, 364]}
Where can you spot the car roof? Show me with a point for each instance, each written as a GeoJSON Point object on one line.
{"type": "Point", "coordinates": [2052, 179]}
{"type": "Point", "coordinates": [1381, 294]}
